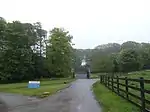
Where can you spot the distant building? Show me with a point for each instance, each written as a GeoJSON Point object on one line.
{"type": "Point", "coordinates": [83, 63]}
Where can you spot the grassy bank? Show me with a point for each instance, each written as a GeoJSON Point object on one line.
{"type": "Point", "coordinates": [110, 102]}
{"type": "Point", "coordinates": [94, 76]}
{"type": "Point", "coordinates": [137, 75]}
{"type": "Point", "coordinates": [50, 86]}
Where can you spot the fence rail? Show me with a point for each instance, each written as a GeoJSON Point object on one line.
{"type": "Point", "coordinates": [122, 87]}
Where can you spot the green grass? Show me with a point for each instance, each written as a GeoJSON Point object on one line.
{"type": "Point", "coordinates": [110, 102]}
{"type": "Point", "coordinates": [94, 76]}
{"type": "Point", "coordinates": [144, 74]}
{"type": "Point", "coordinates": [137, 75]}
{"type": "Point", "coordinates": [50, 86]}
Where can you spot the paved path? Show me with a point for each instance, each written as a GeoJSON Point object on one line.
{"type": "Point", "coordinates": [77, 98]}
{"type": "Point", "coordinates": [81, 76]}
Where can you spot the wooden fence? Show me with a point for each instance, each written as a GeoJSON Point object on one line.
{"type": "Point", "coordinates": [122, 87]}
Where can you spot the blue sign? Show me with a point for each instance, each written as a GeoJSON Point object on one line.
{"type": "Point", "coordinates": [34, 84]}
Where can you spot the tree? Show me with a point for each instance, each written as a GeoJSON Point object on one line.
{"type": "Point", "coordinates": [60, 55]}
{"type": "Point", "coordinates": [109, 48]}
{"type": "Point", "coordinates": [145, 57]}
{"type": "Point", "coordinates": [16, 57]}
{"type": "Point", "coordinates": [129, 60]}
{"type": "Point", "coordinates": [130, 45]}
{"type": "Point", "coordinates": [40, 50]}
{"type": "Point", "coordinates": [3, 26]}
{"type": "Point", "coordinates": [41, 42]}
{"type": "Point", "coordinates": [103, 64]}
{"type": "Point", "coordinates": [115, 62]}
{"type": "Point", "coordinates": [121, 57]}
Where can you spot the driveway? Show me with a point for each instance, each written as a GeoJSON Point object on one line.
{"type": "Point", "coordinates": [77, 98]}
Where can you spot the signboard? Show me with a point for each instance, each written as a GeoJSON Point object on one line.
{"type": "Point", "coordinates": [34, 84]}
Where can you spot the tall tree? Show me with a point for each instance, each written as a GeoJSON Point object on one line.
{"type": "Point", "coordinates": [145, 57]}
{"type": "Point", "coordinates": [16, 60]}
{"type": "Point", "coordinates": [41, 35]}
{"type": "Point", "coordinates": [60, 54]}
{"type": "Point", "coordinates": [129, 60]}
{"type": "Point", "coordinates": [130, 45]}
{"type": "Point", "coordinates": [20, 59]}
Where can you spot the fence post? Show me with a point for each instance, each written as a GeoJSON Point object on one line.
{"type": "Point", "coordinates": [108, 81]}
{"type": "Point", "coordinates": [100, 78]}
{"type": "Point", "coordinates": [142, 93]}
{"type": "Point", "coordinates": [118, 85]}
{"type": "Point", "coordinates": [112, 83]}
{"type": "Point", "coordinates": [126, 83]}
{"type": "Point", "coordinates": [105, 80]}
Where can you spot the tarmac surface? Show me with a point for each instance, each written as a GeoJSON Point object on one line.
{"type": "Point", "coordinates": [76, 98]}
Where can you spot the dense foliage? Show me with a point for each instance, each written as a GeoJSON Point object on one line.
{"type": "Point", "coordinates": [130, 56]}
{"type": "Point", "coordinates": [113, 57]}
{"type": "Point", "coordinates": [60, 53]}
{"type": "Point", "coordinates": [26, 53]}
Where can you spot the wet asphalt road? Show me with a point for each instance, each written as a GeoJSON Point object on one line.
{"type": "Point", "coordinates": [77, 98]}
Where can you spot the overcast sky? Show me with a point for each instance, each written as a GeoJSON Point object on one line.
{"type": "Point", "coordinates": [91, 22]}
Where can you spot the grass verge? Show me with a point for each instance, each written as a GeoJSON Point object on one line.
{"type": "Point", "coordinates": [94, 76]}
{"type": "Point", "coordinates": [110, 102]}
{"type": "Point", "coordinates": [50, 86]}
{"type": "Point", "coordinates": [137, 75]}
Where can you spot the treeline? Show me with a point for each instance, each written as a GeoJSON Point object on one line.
{"type": "Point", "coordinates": [27, 53]}
{"type": "Point", "coordinates": [113, 57]}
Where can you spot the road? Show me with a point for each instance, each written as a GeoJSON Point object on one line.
{"type": "Point", "coordinates": [77, 98]}
{"type": "Point", "coordinates": [81, 76]}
